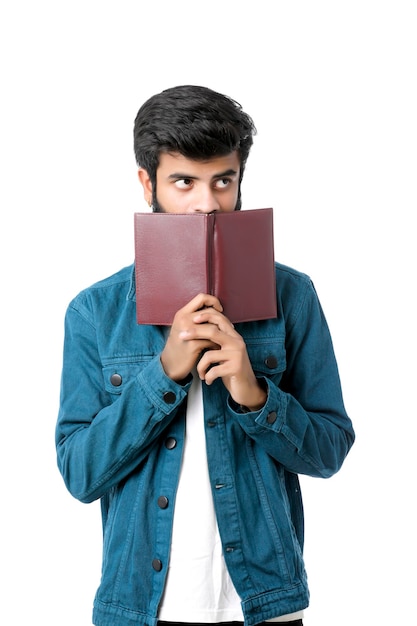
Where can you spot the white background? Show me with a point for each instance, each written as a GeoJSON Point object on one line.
{"type": "Point", "coordinates": [332, 89]}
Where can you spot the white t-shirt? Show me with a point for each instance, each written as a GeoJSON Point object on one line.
{"type": "Point", "coordinates": [198, 586]}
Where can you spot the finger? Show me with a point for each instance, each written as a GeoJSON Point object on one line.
{"type": "Point", "coordinates": [207, 332]}
{"type": "Point", "coordinates": [201, 301]}
{"type": "Point", "coordinates": [216, 367]}
{"type": "Point", "coordinates": [215, 318]}
{"type": "Point", "coordinates": [208, 367]}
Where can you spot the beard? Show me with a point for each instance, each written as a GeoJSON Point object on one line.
{"type": "Point", "coordinates": [156, 207]}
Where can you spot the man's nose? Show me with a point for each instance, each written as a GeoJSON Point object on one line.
{"type": "Point", "coordinates": [205, 201]}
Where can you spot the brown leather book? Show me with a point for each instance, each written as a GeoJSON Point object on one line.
{"type": "Point", "coordinates": [229, 255]}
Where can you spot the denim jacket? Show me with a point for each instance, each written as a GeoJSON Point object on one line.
{"type": "Point", "coordinates": [120, 435]}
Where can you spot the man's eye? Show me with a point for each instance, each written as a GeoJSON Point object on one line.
{"type": "Point", "coordinates": [183, 183]}
{"type": "Point", "coordinates": [221, 183]}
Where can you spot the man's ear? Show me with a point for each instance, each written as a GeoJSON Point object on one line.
{"type": "Point", "coordinates": [146, 183]}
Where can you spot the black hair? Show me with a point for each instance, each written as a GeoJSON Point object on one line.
{"type": "Point", "coordinates": [194, 121]}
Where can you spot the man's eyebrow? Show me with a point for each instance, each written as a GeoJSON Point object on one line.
{"type": "Point", "coordinates": [181, 175]}
{"type": "Point", "coordinates": [229, 172]}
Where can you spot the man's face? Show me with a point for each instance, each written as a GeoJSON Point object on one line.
{"type": "Point", "coordinates": [187, 186]}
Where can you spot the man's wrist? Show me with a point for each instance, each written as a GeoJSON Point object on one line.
{"type": "Point", "coordinates": [260, 401]}
{"type": "Point", "coordinates": [255, 407]}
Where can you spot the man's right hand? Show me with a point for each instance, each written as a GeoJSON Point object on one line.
{"type": "Point", "coordinates": [179, 357]}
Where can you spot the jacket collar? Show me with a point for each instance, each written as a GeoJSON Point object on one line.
{"type": "Point", "coordinates": [131, 294]}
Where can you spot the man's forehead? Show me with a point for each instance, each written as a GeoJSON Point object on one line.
{"type": "Point", "coordinates": [174, 162]}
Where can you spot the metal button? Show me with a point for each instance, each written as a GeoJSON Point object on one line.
{"type": "Point", "coordinates": [116, 380]}
{"type": "Point", "coordinates": [170, 443]}
{"type": "Point", "coordinates": [271, 417]}
{"type": "Point", "coordinates": [271, 361]}
{"type": "Point", "coordinates": [169, 397]}
{"type": "Point", "coordinates": [157, 565]}
{"type": "Point", "coordinates": [163, 502]}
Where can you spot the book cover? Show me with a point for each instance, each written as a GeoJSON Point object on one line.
{"type": "Point", "coordinates": [229, 255]}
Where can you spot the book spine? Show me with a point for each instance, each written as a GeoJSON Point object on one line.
{"type": "Point", "coordinates": [211, 221]}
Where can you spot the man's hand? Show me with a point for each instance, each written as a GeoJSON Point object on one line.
{"type": "Point", "coordinates": [179, 357]}
{"type": "Point", "coordinates": [206, 332]}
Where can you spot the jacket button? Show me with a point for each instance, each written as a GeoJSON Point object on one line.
{"type": "Point", "coordinates": [169, 397]}
{"type": "Point", "coordinates": [116, 380]}
{"type": "Point", "coordinates": [163, 502]}
{"type": "Point", "coordinates": [170, 443]}
{"type": "Point", "coordinates": [271, 417]}
{"type": "Point", "coordinates": [157, 565]}
{"type": "Point", "coordinates": [271, 361]}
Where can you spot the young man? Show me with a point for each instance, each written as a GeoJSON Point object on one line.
{"type": "Point", "coordinates": [192, 436]}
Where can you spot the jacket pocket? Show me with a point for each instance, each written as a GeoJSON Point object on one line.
{"type": "Point", "coordinates": [119, 374]}
{"type": "Point", "coordinates": [268, 357]}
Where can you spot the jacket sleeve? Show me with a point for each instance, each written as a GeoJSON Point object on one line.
{"type": "Point", "coordinates": [304, 424]}
{"type": "Point", "coordinates": [101, 439]}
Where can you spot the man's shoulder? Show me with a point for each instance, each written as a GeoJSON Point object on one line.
{"type": "Point", "coordinates": [118, 283]}
{"type": "Point", "coordinates": [294, 290]}
{"type": "Point", "coordinates": [289, 274]}
{"type": "Point", "coordinates": [124, 275]}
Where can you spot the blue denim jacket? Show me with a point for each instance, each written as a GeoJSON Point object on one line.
{"type": "Point", "coordinates": [120, 435]}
